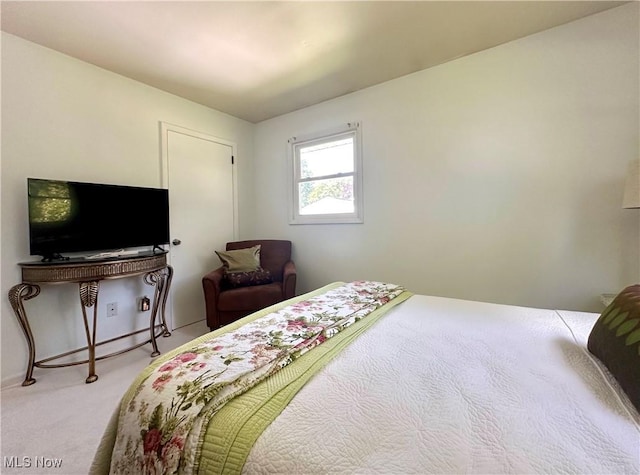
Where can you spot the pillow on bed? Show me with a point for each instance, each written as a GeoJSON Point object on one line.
{"type": "Point", "coordinates": [615, 340]}
{"type": "Point", "coordinates": [240, 260]}
{"type": "Point", "coordinates": [247, 279]}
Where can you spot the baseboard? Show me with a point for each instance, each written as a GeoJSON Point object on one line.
{"type": "Point", "coordinates": [11, 381]}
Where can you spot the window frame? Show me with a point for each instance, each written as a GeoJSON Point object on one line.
{"type": "Point", "coordinates": [351, 129]}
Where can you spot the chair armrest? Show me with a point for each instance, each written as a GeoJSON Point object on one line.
{"type": "Point", "coordinates": [289, 276]}
{"type": "Point", "coordinates": [214, 279]}
{"type": "Point", "coordinates": [211, 284]}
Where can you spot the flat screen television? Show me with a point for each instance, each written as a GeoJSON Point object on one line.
{"type": "Point", "coordinates": [69, 216]}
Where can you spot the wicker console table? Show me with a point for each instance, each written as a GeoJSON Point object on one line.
{"type": "Point", "coordinates": [88, 274]}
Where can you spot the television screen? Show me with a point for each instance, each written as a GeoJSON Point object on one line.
{"type": "Point", "coordinates": [67, 216]}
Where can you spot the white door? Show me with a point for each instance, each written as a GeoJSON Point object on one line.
{"type": "Point", "coordinates": [200, 178]}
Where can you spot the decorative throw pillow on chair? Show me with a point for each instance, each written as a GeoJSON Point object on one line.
{"type": "Point", "coordinates": [242, 267]}
{"type": "Point", "coordinates": [245, 279]}
{"type": "Point", "coordinates": [240, 260]}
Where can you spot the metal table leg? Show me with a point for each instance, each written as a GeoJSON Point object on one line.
{"type": "Point", "coordinates": [18, 294]}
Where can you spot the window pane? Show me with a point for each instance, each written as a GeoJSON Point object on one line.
{"type": "Point", "coordinates": [332, 196]}
{"type": "Point", "coordinates": [328, 158]}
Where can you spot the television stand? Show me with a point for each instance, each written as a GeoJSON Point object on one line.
{"type": "Point", "coordinates": [87, 274]}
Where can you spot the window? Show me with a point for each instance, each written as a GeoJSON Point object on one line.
{"type": "Point", "coordinates": [327, 177]}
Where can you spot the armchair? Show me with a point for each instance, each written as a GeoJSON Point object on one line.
{"type": "Point", "coordinates": [225, 304]}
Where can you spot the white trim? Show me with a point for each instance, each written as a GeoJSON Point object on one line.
{"type": "Point", "coordinates": [165, 128]}
{"type": "Point", "coordinates": [341, 218]}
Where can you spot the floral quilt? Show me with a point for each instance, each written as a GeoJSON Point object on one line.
{"type": "Point", "coordinates": [161, 428]}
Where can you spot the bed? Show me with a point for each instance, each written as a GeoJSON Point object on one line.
{"type": "Point", "coordinates": [365, 377]}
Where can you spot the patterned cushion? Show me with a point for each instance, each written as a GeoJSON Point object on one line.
{"type": "Point", "coordinates": [246, 279]}
{"type": "Point", "coordinates": [241, 260]}
{"type": "Point", "coordinates": [615, 340]}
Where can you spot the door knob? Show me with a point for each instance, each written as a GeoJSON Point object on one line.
{"type": "Point", "coordinates": [176, 242]}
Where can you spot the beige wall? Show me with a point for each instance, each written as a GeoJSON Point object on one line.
{"type": "Point", "coordinates": [495, 177]}
{"type": "Point", "coordinates": [66, 119]}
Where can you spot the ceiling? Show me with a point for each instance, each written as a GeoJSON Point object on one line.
{"type": "Point", "coordinates": [258, 60]}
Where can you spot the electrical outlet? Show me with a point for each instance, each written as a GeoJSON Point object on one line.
{"type": "Point", "coordinates": [112, 309]}
{"type": "Point", "coordinates": [144, 304]}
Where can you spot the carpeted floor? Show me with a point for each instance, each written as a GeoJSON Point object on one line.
{"type": "Point", "coordinates": [55, 425]}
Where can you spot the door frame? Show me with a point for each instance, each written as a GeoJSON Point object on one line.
{"type": "Point", "coordinates": [165, 128]}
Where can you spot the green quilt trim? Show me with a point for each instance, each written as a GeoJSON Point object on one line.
{"type": "Point", "coordinates": [144, 374]}
{"type": "Point", "coordinates": [237, 425]}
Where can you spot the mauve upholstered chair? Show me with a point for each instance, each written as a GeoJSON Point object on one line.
{"type": "Point", "coordinates": [225, 304]}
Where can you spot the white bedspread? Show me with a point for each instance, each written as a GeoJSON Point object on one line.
{"type": "Point", "coordinates": [450, 386]}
